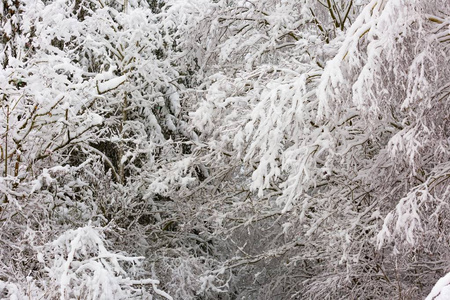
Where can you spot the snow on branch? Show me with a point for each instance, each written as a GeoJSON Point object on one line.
{"type": "Point", "coordinates": [109, 85]}
{"type": "Point", "coordinates": [81, 267]}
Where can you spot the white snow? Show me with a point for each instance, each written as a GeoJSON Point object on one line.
{"type": "Point", "coordinates": [441, 290]}
{"type": "Point", "coordinates": [111, 84]}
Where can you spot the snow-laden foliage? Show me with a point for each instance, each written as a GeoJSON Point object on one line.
{"type": "Point", "coordinates": [80, 266]}
{"type": "Point", "coordinates": [327, 138]}
{"type": "Point", "coordinates": [239, 149]}
{"type": "Point", "coordinates": [91, 129]}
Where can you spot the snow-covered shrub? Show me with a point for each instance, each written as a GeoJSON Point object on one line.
{"type": "Point", "coordinates": [81, 267]}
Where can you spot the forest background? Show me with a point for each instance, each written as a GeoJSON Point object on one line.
{"type": "Point", "coordinates": [224, 149]}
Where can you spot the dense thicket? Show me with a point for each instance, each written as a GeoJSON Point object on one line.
{"type": "Point", "coordinates": [224, 149]}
